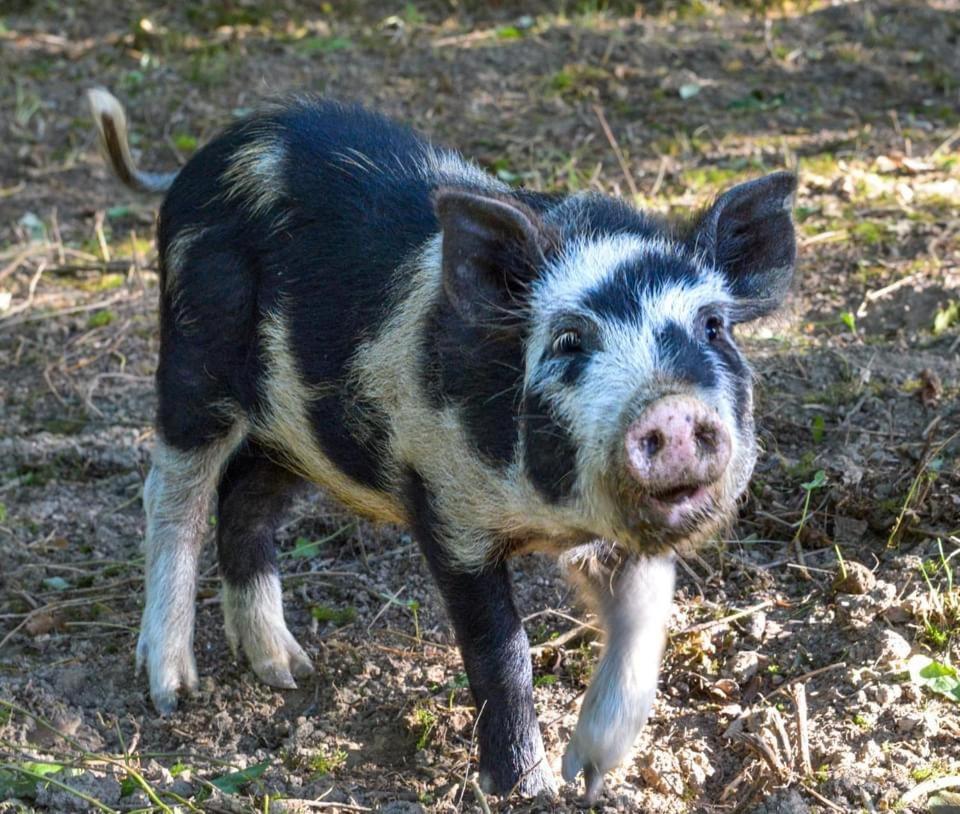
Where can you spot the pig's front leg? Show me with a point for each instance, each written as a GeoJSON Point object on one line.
{"type": "Point", "coordinates": [633, 596]}
{"type": "Point", "coordinates": [496, 655]}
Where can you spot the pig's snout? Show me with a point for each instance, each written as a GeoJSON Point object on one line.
{"type": "Point", "coordinates": [678, 443]}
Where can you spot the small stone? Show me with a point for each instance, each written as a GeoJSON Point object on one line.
{"type": "Point", "coordinates": [930, 725]}
{"type": "Point", "coordinates": [886, 694]}
{"type": "Point", "coordinates": [849, 531]}
{"type": "Point", "coordinates": [906, 724]}
{"type": "Point", "coordinates": [402, 807]}
{"type": "Point", "coordinates": [853, 578]}
{"type": "Point", "coordinates": [870, 752]}
{"type": "Point", "coordinates": [892, 647]}
{"type": "Point", "coordinates": [911, 693]}
{"type": "Point", "coordinates": [785, 801]}
{"type": "Point", "coordinates": [755, 626]}
{"type": "Point", "coordinates": [744, 666]}
{"type": "Point", "coordinates": [696, 768]}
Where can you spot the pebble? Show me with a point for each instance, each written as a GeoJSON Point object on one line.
{"type": "Point", "coordinates": [744, 666]}
{"type": "Point", "coordinates": [892, 647]}
{"type": "Point", "coordinates": [919, 723]}
{"type": "Point", "coordinates": [886, 694]}
{"type": "Point", "coordinates": [853, 578]}
{"type": "Point", "coordinates": [660, 772]}
{"type": "Point", "coordinates": [755, 626]}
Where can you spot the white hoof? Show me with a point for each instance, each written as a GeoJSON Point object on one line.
{"type": "Point", "coordinates": [170, 665]}
{"type": "Point", "coordinates": [253, 618]}
{"type": "Point", "coordinates": [613, 713]}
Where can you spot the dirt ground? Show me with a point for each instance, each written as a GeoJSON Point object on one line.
{"type": "Point", "coordinates": [858, 410]}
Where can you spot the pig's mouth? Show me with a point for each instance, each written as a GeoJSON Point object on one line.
{"type": "Point", "coordinates": [675, 507]}
{"type": "Point", "coordinates": [678, 494]}
{"type": "Point", "coordinates": [676, 510]}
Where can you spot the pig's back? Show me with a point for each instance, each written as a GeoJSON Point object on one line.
{"type": "Point", "coordinates": [281, 242]}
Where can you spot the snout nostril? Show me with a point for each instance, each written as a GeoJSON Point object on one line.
{"type": "Point", "coordinates": [706, 438]}
{"type": "Point", "coordinates": [652, 443]}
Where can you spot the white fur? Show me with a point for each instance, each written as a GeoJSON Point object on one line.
{"type": "Point", "coordinates": [449, 167]}
{"type": "Point", "coordinates": [253, 619]}
{"type": "Point", "coordinates": [255, 173]}
{"type": "Point", "coordinates": [177, 497]}
{"type": "Point", "coordinates": [635, 603]}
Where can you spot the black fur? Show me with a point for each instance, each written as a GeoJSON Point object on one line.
{"type": "Point", "coordinates": [684, 358]}
{"type": "Point", "coordinates": [592, 214]}
{"type": "Point", "coordinates": [479, 370]}
{"type": "Point", "coordinates": [727, 354]}
{"type": "Point", "coordinates": [494, 646]}
{"type": "Point", "coordinates": [618, 295]}
{"type": "Point", "coordinates": [252, 496]}
{"type": "Point", "coordinates": [550, 453]}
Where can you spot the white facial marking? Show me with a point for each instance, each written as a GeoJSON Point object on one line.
{"type": "Point", "coordinates": [631, 365]}
{"type": "Point", "coordinates": [178, 497]}
{"type": "Point", "coordinates": [253, 619]}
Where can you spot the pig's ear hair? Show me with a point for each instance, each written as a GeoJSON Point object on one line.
{"type": "Point", "coordinates": [748, 234]}
{"type": "Point", "coordinates": [493, 248]}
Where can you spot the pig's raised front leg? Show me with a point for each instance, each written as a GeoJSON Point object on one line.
{"type": "Point", "coordinates": [496, 655]}
{"type": "Point", "coordinates": [633, 596]}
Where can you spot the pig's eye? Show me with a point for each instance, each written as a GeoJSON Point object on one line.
{"type": "Point", "coordinates": [713, 328]}
{"type": "Point", "coordinates": [567, 341]}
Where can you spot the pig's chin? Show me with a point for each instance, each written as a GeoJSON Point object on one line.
{"type": "Point", "coordinates": [685, 514]}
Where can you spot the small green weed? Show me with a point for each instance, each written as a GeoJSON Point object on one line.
{"type": "Point", "coordinates": [100, 319]}
{"type": "Point", "coordinates": [339, 616]}
{"type": "Point", "coordinates": [424, 721]}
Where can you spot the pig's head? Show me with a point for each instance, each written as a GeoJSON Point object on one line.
{"type": "Point", "coordinates": [635, 412]}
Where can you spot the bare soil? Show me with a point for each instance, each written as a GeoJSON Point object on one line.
{"type": "Point", "coordinates": [857, 406]}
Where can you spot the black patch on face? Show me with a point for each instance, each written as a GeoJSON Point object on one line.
{"type": "Point", "coordinates": [253, 494]}
{"type": "Point", "coordinates": [617, 296]}
{"type": "Point", "coordinates": [729, 357]}
{"type": "Point", "coordinates": [573, 368]}
{"type": "Point", "coordinates": [684, 358]}
{"type": "Point", "coordinates": [481, 371]}
{"type": "Point", "coordinates": [550, 455]}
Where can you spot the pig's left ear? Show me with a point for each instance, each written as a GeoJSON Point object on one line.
{"type": "Point", "coordinates": [748, 233]}
{"type": "Point", "coordinates": [492, 250]}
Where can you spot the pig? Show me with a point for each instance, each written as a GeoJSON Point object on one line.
{"type": "Point", "coordinates": [503, 371]}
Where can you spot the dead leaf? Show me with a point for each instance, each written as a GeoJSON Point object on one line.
{"type": "Point", "coordinates": [41, 623]}
{"type": "Point", "coordinates": [931, 388]}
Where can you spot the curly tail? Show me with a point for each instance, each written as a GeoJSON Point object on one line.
{"type": "Point", "coordinates": [111, 124]}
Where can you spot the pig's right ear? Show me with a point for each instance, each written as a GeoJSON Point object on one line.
{"type": "Point", "coordinates": [492, 250]}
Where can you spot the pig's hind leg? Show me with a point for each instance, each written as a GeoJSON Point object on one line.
{"type": "Point", "coordinates": [178, 497]}
{"type": "Point", "coordinates": [253, 495]}
{"type": "Point", "coordinates": [634, 596]}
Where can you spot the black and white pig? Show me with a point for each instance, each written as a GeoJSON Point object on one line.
{"type": "Point", "coordinates": [504, 371]}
